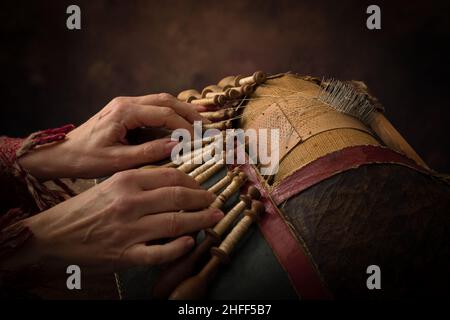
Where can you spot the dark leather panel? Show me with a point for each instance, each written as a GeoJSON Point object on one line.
{"type": "Point", "coordinates": [382, 214]}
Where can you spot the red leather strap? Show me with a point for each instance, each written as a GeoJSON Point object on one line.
{"type": "Point", "coordinates": [286, 246]}
{"type": "Point", "coordinates": [334, 163]}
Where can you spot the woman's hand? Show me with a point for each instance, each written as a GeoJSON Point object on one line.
{"type": "Point", "coordinates": [107, 227]}
{"type": "Point", "coordinates": [98, 147]}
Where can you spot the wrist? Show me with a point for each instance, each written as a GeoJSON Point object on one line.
{"type": "Point", "coordinates": [46, 162]}
{"type": "Point", "coordinates": [25, 254]}
{"type": "Point", "coordinates": [43, 153]}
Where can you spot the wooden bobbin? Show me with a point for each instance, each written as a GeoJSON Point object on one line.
{"type": "Point", "coordinates": [229, 82]}
{"type": "Point", "coordinates": [170, 164]}
{"type": "Point", "coordinates": [207, 140]}
{"type": "Point", "coordinates": [208, 164]}
{"type": "Point", "coordinates": [197, 161]}
{"type": "Point", "coordinates": [257, 78]}
{"type": "Point", "coordinates": [189, 95]}
{"type": "Point", "coordinates": [184, 158]}
{"type": "Point", "coordinates": [233, 92]}
{"type": "Point", "coordinates": [245, 202]}
{"type": "Point", "coordinates": [211, 89]}
{"type": "Point", "coordinates": [216, 100]}
{"type": "Point", "coordinates": [232, 188]}
{"type": "Point", "coordinates": [221, 125]}
{"type": "Point", "coordinates": [239, 230]}
{"type": "Point", "coordinates": [186, 266]}
{"type": "Point", "coordinates": [194, 146]}
{"type": "Point", "coordinates": [208, 173]}
{"type": "Point", "coordinates": [213, 94]}
{"type": "Point", "coordinates": [189, 157]}
{"type": "Point", "coordinates": [222, 183]}
{"type": "Point", "coordinates": [244, 90]}
{"type": "Point", "coordinates": [219, 115]}
{"type": "Point", "coordinates": [196, 287]}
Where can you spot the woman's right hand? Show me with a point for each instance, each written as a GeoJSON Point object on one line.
{"type": "Point", "coordinates": [107, 227]}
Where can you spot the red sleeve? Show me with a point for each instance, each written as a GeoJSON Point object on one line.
{"type": "Point", "coordinates": [15, 201]}
{"type": "Point", "coordinates": [22, 195]}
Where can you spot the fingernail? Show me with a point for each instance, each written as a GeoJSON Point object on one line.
{"type": "Point", "coordinates": [170, 145]}
{"type": "Point", "coordinates": [207, 121]}
{"type": "Point", "coordinates": [217, 215]}
{"type": "Point", "coordinates": [189, 242]}
{"type": "Point", "coordinates": [212, 196]}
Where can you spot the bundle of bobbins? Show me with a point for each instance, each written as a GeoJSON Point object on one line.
{"type": "Point", "coordinates": [181, 279]}
{"type": "Point", "coordinates": [190, 276]}
{"type": "Point", "coordinates": [226, 94]}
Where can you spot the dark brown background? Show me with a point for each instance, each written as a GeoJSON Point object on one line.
{"type": "Point", "coordinates": [51, 76]}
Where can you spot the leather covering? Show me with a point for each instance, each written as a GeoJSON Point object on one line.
{"type": "Point", "coordinates": [382, 214]}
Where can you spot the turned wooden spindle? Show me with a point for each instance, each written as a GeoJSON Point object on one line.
{"type": "Point", "coordinates": [220, 125]}
{"type": "Point", "coordinates": [246, 89]}
{"type": "Point", "coordinates": [208, 173]}
{"type": "Point", "coordinates": [241, 90]}
{"type": "Point", "coordinates": [232, 188]}
{"type": "Point", "coordinates": [196, 161]}
{"type": "Point", "coordinates": [206, 140]}
{"type": "Point", "coordinates": [257, 78]}
{"type": "Point", "coordinates": [196, 287]}
{"type": "Point", "coordinates": [218, 115]}
{"type": "Point", "coordinates": [190, 156]}
{"type": "Point", "coordinates": [189, 95]}
{"type": "Point", "coordinates": [213, 94]}
{"type": "Point", "coordinates": [211, 89]}
{"type": "Point", "coordinates": [222, 183]}
{"type": "Point", "coordinates": [185, 157]}
{"type": "Point", "coordinates": [229, 82]}
{"type": "Point", "coordinates": [195, 150]}
{"type": "Point", "coordinates": [216, 100]}
{"type": "Point", "coordinates": [170, 164]}
{"type": "Point", "coordinates": [186, 266]}
{"type": "Point", "coordinates": [233, 92]}
{"type": "Point", "coordinates": [208, 164]}
{"type": "Point", "coordinates": [232, 214]}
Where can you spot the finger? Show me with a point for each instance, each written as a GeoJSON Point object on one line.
{"type": "Point", "coordinates": [184, 109]}
{"type": "Point", "coordinates": [175, 198]}
{"type": "Point", "coordinates": [148, 152]}
{"type": "Point", "coordinates": [138, 115]}
{"type": "Point", "coordinates": [202, 108]}
{"type": "Point", "coordinates": [154, 178]}
{"type": "Point", "coordinates": [174, 224]}
{"type": "Point", "coordinates": [143, 255]}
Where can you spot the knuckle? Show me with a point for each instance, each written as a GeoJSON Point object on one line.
{"type": "Point", "coordinates": [119, 103]}
{"type": "Point", "coordinates": [174, 225]}
{"type": "Point", "coordinates": [117, 235]}
{"type": "Point", "coordinates": [124, 177]}
{"type": "Point", "coordinates": [173, 176]}
{"type": "Point", "coordinates": [165, 97]}
{"type": "Point", "coordinates": [122, 204]}
{"type": "Point", "coordinates": [167, 112]}
{"type": "Point", "coordinates": [179, 197]}
{"type": "Point", "coordinates": [149, 149]}
{"type": "Point", "coordinates": [154, 256]}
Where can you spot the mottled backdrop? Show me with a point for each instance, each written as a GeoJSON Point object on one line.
{"type": "Point", "coordinates": [51, 76]}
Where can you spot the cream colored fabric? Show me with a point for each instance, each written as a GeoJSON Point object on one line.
{"type": "Point", "coordinates": [309, 129]}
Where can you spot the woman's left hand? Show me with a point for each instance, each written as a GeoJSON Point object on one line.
{"type": "Point", "coordinates": [98, 147]}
